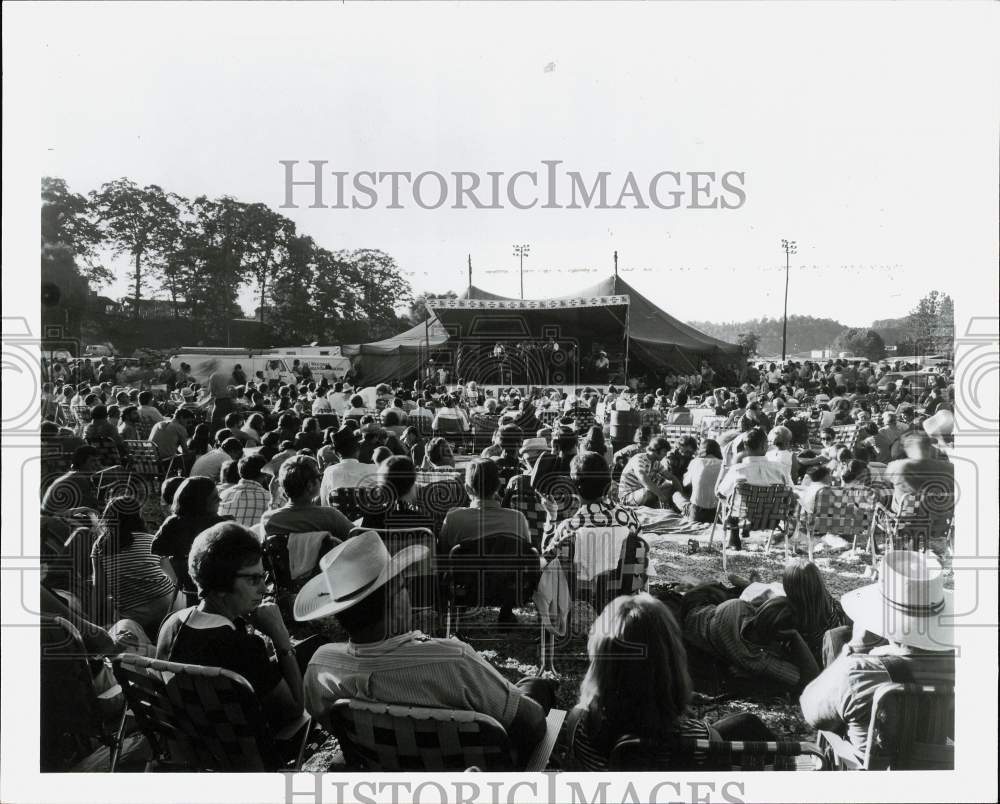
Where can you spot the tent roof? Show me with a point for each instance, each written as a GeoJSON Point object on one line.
{"type": "Point", "coordinates": [647, 323]}
{"type": "Point", "coordinates": [412, 339]}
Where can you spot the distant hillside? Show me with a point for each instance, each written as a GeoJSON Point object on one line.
{"type": "Point", "coordinates": [805, 333]}
{"type": "Point", "coordinates": [892, 330]}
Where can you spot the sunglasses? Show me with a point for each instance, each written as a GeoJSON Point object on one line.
{"type": "Point", "coordinates": [255, 578]}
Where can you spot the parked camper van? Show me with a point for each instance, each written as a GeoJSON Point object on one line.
{"type": "Point", "coordinates": [202, 361]}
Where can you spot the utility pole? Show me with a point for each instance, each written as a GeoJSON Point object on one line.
{"type": "Point", "coordinates": [521, 251]}
{"type": "Point", "coordinates": [790, 248]}
{"type": "Point", "coordinates": [616, 265]}
{"type": "Point", "coordinates": [470, 270]}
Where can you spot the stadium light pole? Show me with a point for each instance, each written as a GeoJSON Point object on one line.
{"type": "Point", "coordinates": [521, 251]}
{"type": "Point", "coordinates": [790, 248]}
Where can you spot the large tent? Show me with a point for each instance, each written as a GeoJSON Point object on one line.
{"type": "Point", "coordinates": [611, 312]}
{"type": "Point", "coordinates": [399, 356]}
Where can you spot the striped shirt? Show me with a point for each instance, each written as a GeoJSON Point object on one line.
{"type": "Point", "coordinates": [132, 576]}
{"type": "Point", "coordinates": [587, 756]}
{"type": "Point", "coordinates": [410, 670]}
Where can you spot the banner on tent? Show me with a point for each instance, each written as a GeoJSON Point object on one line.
{"type": "Point", "coordinates": [526, 304]}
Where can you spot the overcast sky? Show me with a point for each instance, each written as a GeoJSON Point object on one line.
{"type": "Point", "coordinates": [850, 123]}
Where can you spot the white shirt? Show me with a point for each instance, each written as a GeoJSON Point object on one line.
{"type": "Point", "coordinates": [349, 473]}
{"type": "Point", "coordinates": [756, 470]}
{"type": "Point", "coordinates": [321, 405]}
{"type": "Point", "coordinates": [702, 474]}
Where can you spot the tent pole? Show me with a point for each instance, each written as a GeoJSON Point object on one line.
{"type": "Point", "coordinates": [628, 311]}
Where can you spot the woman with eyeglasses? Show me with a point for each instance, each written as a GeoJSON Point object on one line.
{"type": "Point", "coordinates": [226, 628]}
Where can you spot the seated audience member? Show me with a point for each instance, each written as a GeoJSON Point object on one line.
{"type": "Point", "coordinates": [439, 455]}
{"type": "Point", "coordinates": [756, 470]}
{"type": "Point", "coordinates": [100, 429]}
{"type": "Point", "coordinates": [148, 413]}
{"type": "Point", "coordinates": [816, 478]}
{"type": "Point", "coordinates": [385, 661]}
{"type": "Point", "coordinates": [643, 481]}
{"type": "Point", "coordinates": [679, 413]}
{"type": "Point", "coordinates": [348, 472]}
{"type": "Point", "coordinates": [228, 475]}
{"type": "Point", "coordinates": [816, 610]}
{"type": "Point", "coordinates": [484, 516]}
{"type": "Point", "coordinates": [594, 441]}
{"type": "Point", "coordinates": [254, 429]}
{"type": "Point", "coordinates": [922, 470]}
{"type": "Point", "coordinates": [171, 435]}
{"type": "Point", "coordinates": [613, 524]}
{"type": "Point", "coordinates": [413, 444]}
{"type": "Point", "coordinates": [209, 464]}
{"type": "Point", "coordinates": [74, 491]}
{"type": "Point", "coordinates": [128, 424]}
{"type": "Point", "coordinates": [392, 502]}
{"type": "Point", "coordinates": [760, 643]}
{"type": "Point", "coordinates": [649, 699]}
{"type": "Point", "coordinates": [509, 462]}
{"type": "Point", "coordinates": [248, 499]}
{"type": "Point", "coordinates": [128, 579]}
{"type": "Point", "coordinates": [912, 611]}
{"type": "Point", "coordinates": [781, 452]}
{"type": "Point", "coordinates": [856, 473]}
{"type": "Point", "coordinates": [310, 436]}
{"type": "Point", "coordinates": [195, 507]}
{"type": "Point", "coordinates": [701, 477]}
{"type": "Point", "coordinates": [300, 481]}
{"type": "Point", "coordinates": [225, 563]}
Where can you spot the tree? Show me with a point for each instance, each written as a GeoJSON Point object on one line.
{"type": "Point", "coordinates": [373, 288]}
{"type": "Point", "coordinates": [65, 291]}
{"type": "Point", "coordinates": [931, 324]}
{"type": "Point", "coordinates": [418, 312]}
{"type": "Point", "coordinates": [138, 221]}
{"type": "Point", "coordinates": [860, 342]}
{"type": "Point", "coordinates": [748, 341]}
{"type": "Point", "coordinates": [266, 235]}
{"type": "Point", "coordinates": [67, 220]}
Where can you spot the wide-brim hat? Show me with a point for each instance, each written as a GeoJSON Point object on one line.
{"type": "Point", "coordinates": [908, 604]}
{"type": "Point", "coordinates": [534, 445]}
{"type": "Point", "coordinates": [350, 572]}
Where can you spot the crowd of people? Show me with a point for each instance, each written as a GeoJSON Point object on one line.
{"type": "Point", "coordinates": [183, 575]}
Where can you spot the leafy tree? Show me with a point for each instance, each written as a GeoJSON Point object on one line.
{"type": "Point", "coordinates": [748, 341]}
{"type": "Point", "coordinates": [418, 312]}
{"type": "Point", "coordinates": [65, 290]}
{"type": "Point", "coordinates": [67, 220]}
{"type": "Point", "coordinates": [265, 237]}
{"type": "Point", "coordinates": [931, 324]}
{"type": "Point", "coordinates": [373, 288]}
{"type": "Point", "coordinates": [139, 221]}
{"type": "Point", "coordinates": [861, 342]}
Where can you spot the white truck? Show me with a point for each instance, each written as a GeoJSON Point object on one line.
{"type": "Point", "coordinates": [202, 359]}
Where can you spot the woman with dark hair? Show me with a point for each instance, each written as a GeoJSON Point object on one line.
{"type": "Point", "coordinates": [816, 610]}
{"type": "Point", "coordinates": [200, 441]}
{"type": "Point", "coordinates": [391, 502]}
{"type": "Point", "coordinates": [255, 427]}
{"type": "Point", "coordinates": [127, 575]}
{"type": "Point", "coordinates": [225, 563]}
{"type": "Point", "coordinates": [594, 441]}
{"type": "Point", "coordinates": [638, 685]}
{"type": "Point", "coordinates": [195, 507]}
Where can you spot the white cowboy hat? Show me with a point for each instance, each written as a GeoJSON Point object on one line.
{"type": "Point", "coordinates": [908, 604]}
{"type": "Point", "coordinates": [350, 572]}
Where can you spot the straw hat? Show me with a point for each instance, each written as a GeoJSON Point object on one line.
{"type": "Point", "coordinates": [908, 604]}
{"type": "Point", "coordinates": [350, 572]}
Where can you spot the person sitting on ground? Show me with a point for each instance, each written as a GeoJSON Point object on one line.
{"type": "Point", "coordinates": [385, 661]}
{"type": "Point", "coordinates": [300, 481]}
{"type": "Point", "coordinates": [816, 610]}
{"type": "Point", "coordinates": [760, 643]}
{"type": "Point", "coordinates": [225, 563]}
{"type": "Point", "coordinates": [643, 481]}
{"type": "Point", "coordinates": [676, 463]}
{"type": "Point", "coordinates": [701, 477]}
{"type": "Point", "coordinates": [754, 470]}
{"type": "Point", "coordinates": [195, 507]}
{"type": "Point", "coordinates": [248, 499]}
{"type": "Point", "coordinates": [648, 699]}
{"type": "Point", "coordinates": [913, 613]}
{"type": "Point", "coordinates": [392, 501]}
{"type": "Point", "coordinates": [129, 580]}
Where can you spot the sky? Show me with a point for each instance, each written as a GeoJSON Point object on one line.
{"type": "Point", "coordinates": [848, 146]}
